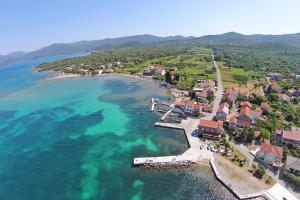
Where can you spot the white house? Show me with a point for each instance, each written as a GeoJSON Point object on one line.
{"type": "Point", "coordinates": [270, 154]}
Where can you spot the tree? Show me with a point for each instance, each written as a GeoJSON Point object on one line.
{"type": "Point", "coordinates": [177, 77]}
{"type": "Point", "coordinates": [193, 94]}
{"type": "Point", "coordinates": [266, 134]}
{"type": "Point", "coordinates": [294, 179]}
{"type": "Point", "coordinates": [168, 77]}
{"type": "Point", "coordinates": [259, 172]}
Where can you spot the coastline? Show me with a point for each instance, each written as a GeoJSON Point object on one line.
{"type": "Point", "coordinates": [62, 76]}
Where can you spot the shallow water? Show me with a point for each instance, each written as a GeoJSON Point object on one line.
{"type": "Point", "coordinates": [76, 139]}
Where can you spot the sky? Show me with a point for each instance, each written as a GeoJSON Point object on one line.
{"type": "Point", "coordinates": [33, 24]}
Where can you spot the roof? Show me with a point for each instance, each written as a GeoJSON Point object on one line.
{"type": "Point", "coordinates": [245, 111]}
{"type": "Point", "coordinates": [233, 120]}
{"type": "Point", "coordinates": [196, 106]}
{"type": "Point", "coordinates": [284, 96]}
{"type": "Point", "coordinates": [278, 132]}
{"type": "Point", "coordinates": [257, 134]}
{"type": "Point", "coordinates": [190, 103]}
{"type": "Point", "coordinates": [293, 162]}
{"type": "Point", "coordinates": [244, 123]}
{"type": "Point", "coordinates": [246, 103]}
{"type": "Point", "coordinates": [207, 107]}
{"type": "Point", "coordinates": [211, 124]}
{"type": "Point", "coordinates": [265, 106]}
{"type": "Point", "coordinates": [185, 103]}
{"type": "Point", "coordinates": [223, 108]}
{"type": "Point", "coordinates": [291, 135]}
{"type": "Point", "coordinates": [268, 148]}
{"type": "Point", "coordinates": [274, 86]}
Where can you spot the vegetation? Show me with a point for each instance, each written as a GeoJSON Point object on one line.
{"type": "Point", "coordinates": [294, 179]}
{"type": "Point", "coordinates": [193, 63]}
{"type": "Point", "coordinates": [264, 57]}
{"type": "Point", "coordinates": [259, 172]}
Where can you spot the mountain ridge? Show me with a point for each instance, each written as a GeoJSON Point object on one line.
{"type": "Point", "coordinates": [229, 38]}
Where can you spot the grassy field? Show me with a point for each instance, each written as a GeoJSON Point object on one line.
{"type": "Point", "coordinates": [241, 79]}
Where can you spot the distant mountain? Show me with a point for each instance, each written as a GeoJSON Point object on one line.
{"type": "Point", "coordinates": [105, 44]}
{"type": "Point", "coordinates": [231, 38]}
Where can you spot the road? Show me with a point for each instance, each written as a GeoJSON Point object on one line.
{"type": "Point", "coordinates": [219, 92]}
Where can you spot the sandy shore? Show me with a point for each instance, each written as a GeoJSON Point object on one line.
{"type": "Point", "coordinates": [62, 76]}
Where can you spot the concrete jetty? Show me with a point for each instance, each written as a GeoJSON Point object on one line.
{"type": "Point", "coordinates": [189, 157]}
{"type": "Point", "coordinates": [152, 104]}
{"type": "Point", "coordinates": [169, 125]}
{"type": "Point", "coordinates": [165, 115]}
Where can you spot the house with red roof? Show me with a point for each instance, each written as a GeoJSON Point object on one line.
{"type": "Point", "coordinates": [210, 129]}
{"type": "Point", "coordinates": [265, 106]}
{"type": "Point", "coordinates": [247, 114]}
{"type": "Point", "coordinates": [230, 95]}
{"type": "Point", "coordinates": [222, 112]}
{"type": "Point", "coordinates": [189, 107]}
{"type": "Point", "coordinates": [256, 114]}
{"type": "Point", "coordinates": [283, 98]}
{"type": "Point", "coordinates": [288, 138]}
{"type": "Point", "coordinates": [273, 87]}
{"type": "Point", "coordinates": [210, 93]}
{"type": "Point", "coordinates": [270, 154]}
{"type": "Point", "coordinates": [207, 108]}
{"type": "Point", "coordinates": [246, 104]}
{"type": "Point", "coordinates": [233, 121]}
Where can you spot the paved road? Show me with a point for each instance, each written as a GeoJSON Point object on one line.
{"type": "Point", "coordinates": [219, 92]}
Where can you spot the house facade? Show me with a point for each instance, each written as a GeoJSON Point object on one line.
{"type": "Point", "coordinates": [189, 107]}
{"type": "Point", "coordinates": [230, 95]}
{"type": "Point", "coordinates": [270, 154]}
{"type": "Point", "coordinates": [210, 129]}
{"type": "Point", "coordinates": [222, 112]}
{"type": "Point", "coordinates": [288, 138]}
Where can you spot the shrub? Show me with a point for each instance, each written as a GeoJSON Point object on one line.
{"type": "Point", "coordinates": [259, 172]}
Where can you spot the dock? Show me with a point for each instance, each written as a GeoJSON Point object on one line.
{"type": "Point", "coordinates": [152, 104]}
{"type": "Point", "coordinates": [188, 158]}
{"type": "Point", "coordinates": [169, 125]}
{"type": "Point", "coordinates": [165, 161]}
{"type": "Point", "coordinates": [165, 115]}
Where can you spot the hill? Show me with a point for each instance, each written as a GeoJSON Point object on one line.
{"type": "Point", "coordinates": [288, 42]}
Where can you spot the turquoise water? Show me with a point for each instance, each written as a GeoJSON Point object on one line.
{"type": "Point", "coordinates": [20, 75]}
{"type": "Point", "coordinates": [76, 139]}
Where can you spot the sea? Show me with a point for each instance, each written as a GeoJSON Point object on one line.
{"type": "Point", "coordinates": [75, 139]}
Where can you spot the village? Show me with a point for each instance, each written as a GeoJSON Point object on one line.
{"type": "Point", "coordinates": [234, 130]}
{"type": "Point", "coordinates": [249, 138]}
